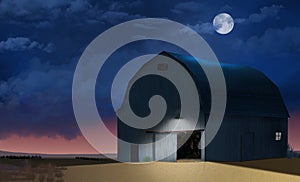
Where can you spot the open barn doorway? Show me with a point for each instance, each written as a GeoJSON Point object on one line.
{"type": "Point", "coordinates": [191, 148]}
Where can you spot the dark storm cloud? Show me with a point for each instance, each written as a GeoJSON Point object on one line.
{"type": "Point", "coordinates": [189, 7]}
{"type": "Point", "coordinates": [79, 6]}
{"type": "Point", "coordinates": [46, 13]}
{"type": "Point", "coordinates": [24, 43]}
{"type": "Point", "coordinates": [277, 42]}
{"type": "Point", "coordinates": [195, 15]}
{"type": "Point", "coordinates": [35, 86]}
{"type": "Point", "coordinates": [21, 8]}
{"type": "Point", "coordinates": [35, 99]}
{"type": "Point", "coordinates": [203, 28]}
{"type": "Point", "coordinates": [192, 12]}
{"type": "Point", "coordinates": [226, 8]}
{"type": "Point", "coordinates": [123, 5]}
{"type": "Point", "coordinates": [114, 17]}
{"type": "Point", "coordinates": [277, 53]}
{"type": "Point", "coordinates": [265, 13]}
{"type": "Point", "coordinates": [271, 46]}
{"type": "Point", "coordinates": [33, 10]}
{"type": "Point", "coordinates": [38, 99]}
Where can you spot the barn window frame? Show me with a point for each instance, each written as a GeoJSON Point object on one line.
{"type": "Point", "coordinates": [278, 136]}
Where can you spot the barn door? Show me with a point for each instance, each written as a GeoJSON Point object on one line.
{"type": "Point", "coordinates": [247, 146]}
{"type": "Point", "coordinates": [165, 147]}
{"type": "Point", "coordinates": [134, 153]}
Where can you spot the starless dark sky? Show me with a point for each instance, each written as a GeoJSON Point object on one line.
{"type": "Point", "coordinates": [41, 42]}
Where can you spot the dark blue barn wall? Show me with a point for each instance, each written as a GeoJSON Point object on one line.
{"type": "Point", "coordinates": [229, 143]}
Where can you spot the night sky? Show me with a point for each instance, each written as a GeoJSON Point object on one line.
{"type": "Point", "coordinates": [41, 43]}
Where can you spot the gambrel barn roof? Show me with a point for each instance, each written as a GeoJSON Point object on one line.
{"type": "Point", "coordinates": [249, 91]}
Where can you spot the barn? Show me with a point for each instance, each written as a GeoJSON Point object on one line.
{"type": "Point", "coordinates": [254, 125]}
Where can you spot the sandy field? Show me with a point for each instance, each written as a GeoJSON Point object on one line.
{"type": "Point", "coordinates": [164, 172]}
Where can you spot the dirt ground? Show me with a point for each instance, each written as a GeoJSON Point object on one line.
{"type": "Point", "coordinates": [181, 171]}
{"type": "Point", "coordinates": [289, 166]}
{"type": "Point", "coordinates": [103, 170]}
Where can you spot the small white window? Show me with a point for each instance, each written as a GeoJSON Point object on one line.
{"type": "Point", "coordinates": [278, 135]}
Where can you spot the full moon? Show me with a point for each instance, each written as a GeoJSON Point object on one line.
{"type": "Point", "coordinates": [223, 23]}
